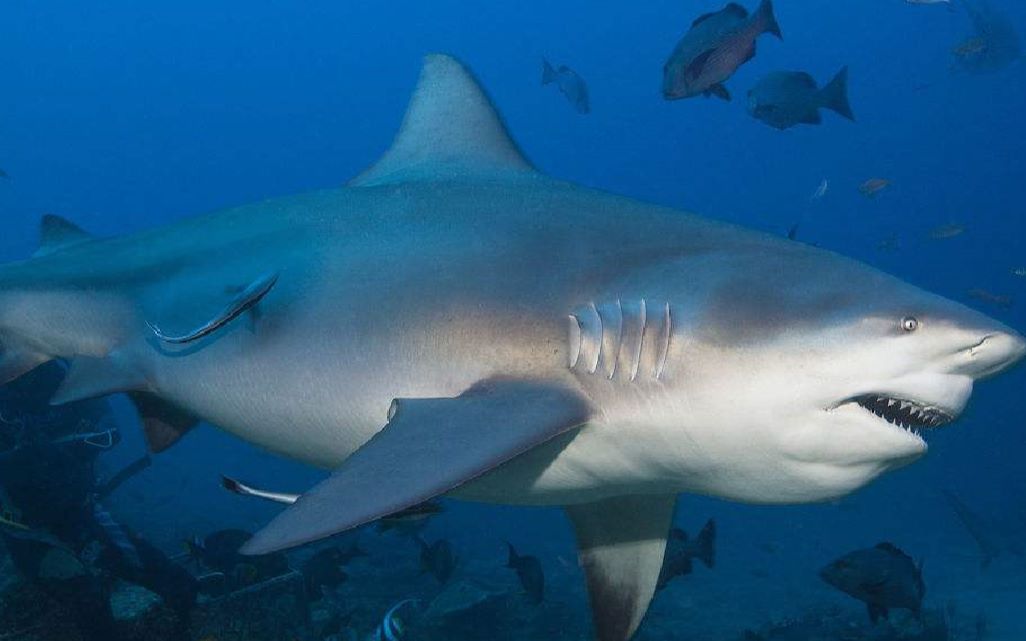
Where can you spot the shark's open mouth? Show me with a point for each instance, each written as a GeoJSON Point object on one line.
{"type": "Point", "coordinates": [904, 413]}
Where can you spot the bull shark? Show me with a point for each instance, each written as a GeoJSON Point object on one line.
{"type": "Point", "coordinates": [455, 322]}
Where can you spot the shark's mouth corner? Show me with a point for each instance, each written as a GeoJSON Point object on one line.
{"type": "Point", "coordinates": [907, 414]}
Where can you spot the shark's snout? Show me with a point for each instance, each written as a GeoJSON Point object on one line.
{"type": "Point", "coordinates": [996, 352]}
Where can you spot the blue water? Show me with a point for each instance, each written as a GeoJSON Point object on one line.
{"type": "Point", "coordinates": [126, 115]}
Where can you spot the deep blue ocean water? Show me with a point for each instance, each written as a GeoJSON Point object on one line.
{"type": "Point", "coordinates": [125, 115]}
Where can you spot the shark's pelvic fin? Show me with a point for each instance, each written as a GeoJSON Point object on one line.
{"type": "Point", "coordinates": [56, 233]}
{"type": "Point", "coordinates": [244, 301]}
{"type": "Point", "coordinates": [622, 541]}
{"type": "Point", "coordinates": [429, 447]}
{"type": "Point", "coordinates": [451, 130]}
{"type": "Point", "coordinates": [164, 423]}
{"type": "Point", "coordinates": [89, 377]}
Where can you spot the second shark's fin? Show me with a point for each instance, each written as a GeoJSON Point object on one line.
{"type": "Point", "coordinates": [451, 130]}
{"type": "Point", "coordinates": [429, 447]}
{"type": "Point", "coordinates": [56, 233]}
{"type": "Point", "coordinates": [163, 423]}
{"type": "Point", "coordinates": [622, 541]}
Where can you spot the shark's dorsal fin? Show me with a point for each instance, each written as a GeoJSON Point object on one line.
{"type": "Point", "coordinates": [451, 130]}
{"type": "Point", "coordinates": [56, 233]}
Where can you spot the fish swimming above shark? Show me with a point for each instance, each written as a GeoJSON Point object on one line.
{"type": "Point", "coordinates": [455, 322]}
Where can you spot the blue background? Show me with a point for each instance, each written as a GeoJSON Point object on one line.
{"type": "Point", "coordinates": [124, 115]}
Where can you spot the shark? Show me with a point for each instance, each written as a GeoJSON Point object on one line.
{"type": "Point", "coordinates": [455, 322]}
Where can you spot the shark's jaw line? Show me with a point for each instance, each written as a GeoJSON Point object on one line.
{"type": "Point", "coordinates": [907, 414]}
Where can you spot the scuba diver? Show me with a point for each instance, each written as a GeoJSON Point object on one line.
{"type": "Point", "coordinates": [52, 520]}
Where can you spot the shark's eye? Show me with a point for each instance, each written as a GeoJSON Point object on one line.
{"type": "Point", "coordinates": [909, 324]}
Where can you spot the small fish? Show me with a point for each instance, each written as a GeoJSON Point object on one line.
{"type": "Point", "coordinates": [999, 300]}
{"type": "Point", "coordinates": [821, 191]}
{"type": "Point", "coordinates": [392, 627]}
{"type": "Point", "coordinates": [883, 577]}
{"type": "Point", "coordinates": [946, 231]}
{"type": "Point", "coordinates": [713, 48]}
{"type": "Point", "coordinates": [970, 47]}
{"type": "Point", "coordinates": [946, 2]}
{"type": "Point", "coordinates": [570, 84]}
{"type": "Point", "coordinates": [220, 551]}
{"type": "Point", "coordinates": [529, 571]}
{"type": "Point", "coordinates": [244, 301]}
{"type": "Point", "coordinates": [681, 551]}
{"type": "Point", "coordinates": [873, 186]}
{"type": "Point", "coordinates": [784, 99]}
{"type": "Point", "coordinates": [437, 558]}
{"type": "Point", "coordinates": [3, 174]}
{"type": "Point", "coordinates": [1018, 271]}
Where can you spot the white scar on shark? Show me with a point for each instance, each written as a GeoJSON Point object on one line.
{"type": "Point", "coordinates": [454, 322]}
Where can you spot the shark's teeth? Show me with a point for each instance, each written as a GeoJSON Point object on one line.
{"type": "Point", "coordinates": [904, 413]}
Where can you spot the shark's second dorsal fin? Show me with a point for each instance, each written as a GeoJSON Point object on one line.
{"type": "Point", "coordinates": [56, 233]}
{"type": "Point", "coordinates": [451, 130]}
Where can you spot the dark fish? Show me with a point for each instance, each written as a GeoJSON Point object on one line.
{"type": "Point", "coordinates": [529, 571]}
{"type": "Point", "coordinates": [873, 186]}
{"type": "Point", "coordinates": [437, 558]}
{"type": "Point", "coordinates": [220, 551]}
{"type": "Point", "coordinates": [792, 232]}
{"type": "Point", "coordinates": [324, 569]}
{"type": "Point", "coordinates": [681, 551]}
{"type": "Point", "coordinates": [3, 174]}
{"type": "Point", "coordinates": [994, 43]}
{"type": "Point", "coordinates": [983, 533]}
{"type": "Point", "coordinates": [570, 84]}
{"type": "Point", "coordinates": [999, 300]}
{"type": "Point", "coordinates": [713, 49]}
{"type": "Point", "coordinates": [411, 520]}
{"type": "Point", "coordinates": [947, 231]}
{"type": "Point", "coordinates": [883, 577]}
{"type": "Point", "coordinates": [784, 99]}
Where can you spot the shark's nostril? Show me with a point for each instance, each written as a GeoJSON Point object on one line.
{"type": "Point", "coordinates": [996, 352]}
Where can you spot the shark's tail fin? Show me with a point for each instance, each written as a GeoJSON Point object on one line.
{"type": "Point", "coordinates": [835, 94]}
{"type": "Point", "coordinates": [766, 21]}
{"type": "Point", "coordinates": [548, 73]}
{"type": "Point", "coordinates": [705, 544]}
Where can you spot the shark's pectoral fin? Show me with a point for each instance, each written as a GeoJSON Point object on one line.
{"type": "Point", "coordinates": [164, 423]}
{"type": "Point", "coordinates": [429, 447]}
{"type": "Point", "coordinates": [56, 233]}
{"type": "Point", "coordinates": [622, 541]}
